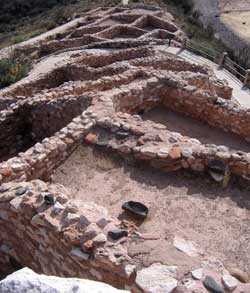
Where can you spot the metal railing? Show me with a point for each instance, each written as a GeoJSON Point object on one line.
{"type": "Point", "coordinates": [222, 59]}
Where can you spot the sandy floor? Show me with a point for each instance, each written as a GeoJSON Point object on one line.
{"type": "Point", "coordinates": [238, 22]}
{"type": "Point", "coordinates": [180, 204]}
{"type": "Point", "coordinates": [232, 5]}
{"type": "Point", "coordinates": [196, 129]}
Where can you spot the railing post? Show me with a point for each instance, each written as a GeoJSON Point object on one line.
{"type": "Point", "coordinates": [247, 78]}
{"type": "Point", "coordinates": [184, 43]}
{"type": "Point", "coordinates": [223, 59]}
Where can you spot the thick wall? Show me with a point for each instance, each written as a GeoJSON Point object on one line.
{"type": "Point", "coordinates": [41, 229]}
{"type": "Point", "coordinates": [32, 120]}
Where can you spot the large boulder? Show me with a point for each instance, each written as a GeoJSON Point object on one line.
{"type": "Point", "coordinates": [25, 280]}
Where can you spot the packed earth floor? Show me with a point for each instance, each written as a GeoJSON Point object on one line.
{"type": "Point", "coordinates": [106, 117]}
{"type": "Point", "coordinates": [194, 128]}
{"type": "Point", "coordinates": [186, 205]}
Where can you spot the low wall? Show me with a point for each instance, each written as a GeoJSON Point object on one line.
{"type": "Point", "coordinates": [215, 111]}
{"type": "Point", "coordinates": [41, 229]}
{"type": "Point", "coordinates": [32, 120]}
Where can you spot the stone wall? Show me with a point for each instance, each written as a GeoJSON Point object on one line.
{"type": "Point", "coordinates": [162, 149]}
{"type": "Point", "coordinates": [94, 97]}
{"type": "Point", "coordinates": [32, 120]}
{"type": "Point", "coordinates": [86, 67]}
{"type": "Point", "coordinates": [41, 229]}
{"type": "Point", "coordinates": [215, 111]}
{"type": "Point", "coordinates": [40, 160]}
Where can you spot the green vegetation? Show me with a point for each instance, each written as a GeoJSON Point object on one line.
{"type": "Point", "coordinates": [21, 20]}
{"type": "Point", "coordinates": [244, 56]}
{"type": "Point", "coordinates": [188, 20]}
{"type": "Point", "coordinates": [12, 70]}
{"type": "Point", "coordinates": [185, 5]}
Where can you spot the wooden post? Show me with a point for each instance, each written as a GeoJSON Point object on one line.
{"type": "Point", "coordinates": [223, 59]}
{"type": "Point", "coordinates": [184, 43]}
{"type": "Point", "coordinates": [247, 78]}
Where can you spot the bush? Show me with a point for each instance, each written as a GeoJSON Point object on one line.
{"type": "Point", "coordinates": [244, 57]}
{"type": "Point", "coordinates": [11, 71]}
{"type": "Point", "coordinates": [19, 39]}
{"type": "Point", "coordinates": [186, 5]}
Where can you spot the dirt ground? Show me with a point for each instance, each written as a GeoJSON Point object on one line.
{"type": "Point", "coordinates": [232, 5]}
{"type": "Point", "coordinates": [195, 129]}
{"type": "Point", "coordinates": [180, 204]}
{"type": "Point", "coordinates": [238, 22]}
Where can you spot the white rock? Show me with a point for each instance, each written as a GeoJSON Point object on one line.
{"type": "Point", "coordinates": [229, 282]}
{"type": "Point", "coordinates": [71, 218]}
{"type": "Point", "coordinates": [129, 269]}
{"type": "Point", "coordinates": [16, 202]}
{"type": "Point", "coordinates": [157, 278]}
{"type": "Point", "coordinates": [185, 246]}
{"type": "Point", "coordinates": [58, 207]}
{"type": "Point", "coordinates": [26, 280]}
{"type": "Point", "coordinates": [125, 2]}
{"type": "Point", "coordinates": [197, 274]}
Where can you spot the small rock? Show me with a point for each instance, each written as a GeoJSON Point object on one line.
{"type": "Point", "coordinates": [239, 274]}
{"type": "Point", "coordinates": [222, 148]}
{"type": "Point", "coordinates": [88, 246]}
{"type": "Point", "coordinates": [122, 134]}
{"type": "Point", "coordinates": [118, 233]}
{"type": "Point", "coordinates": [58, 208]}
{"type": "Point", "coordinates": [175, 153]}
{"type": "Point", "coordinates": [76, 252]}
{"type": "Point", "coordinates": [91, 138]}
{"type": "Point", "coordinates": [197, 274]}
{"type": "Point", "coordinates": [172, 139]}
{"type": "Point", "coordinates": [71, 218]}
{"type": "Point", "coordinates": [186, 152]}
{"type": "Point", "coordinates": [38, 220]}
{"type": "Point", "coordinates": [49, 198]}
{"type": "Point", "coordinates": [6, 172]}
{"type": "Point", "coordinates": [157, 278]}
{"type": "Point", "coordinates": [163, 153]}
{"type": "Point", "coordinates": [129, 269]}
{"type": "Point", "coordinates": [100, 239]}
{"type": "Point", "coordinates": [16, 203]}
{"type": "Point", "coordinates": [4, 188]}
{"type": "Point", "coordinates": [211, 285]}
{"type": "Point", "coordinates": [148, 151]}
{"type": "Point", "coordinates": [21, 190]}
{"type": "Point", "coordinates": [185, 246]}
{"type": "Point", "coordinates": [229, 282]}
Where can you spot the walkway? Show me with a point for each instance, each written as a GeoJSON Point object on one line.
{"type": "Point", "coordinates": [240, 94]}
{"type": "Point", "coordinates": [5, 52]}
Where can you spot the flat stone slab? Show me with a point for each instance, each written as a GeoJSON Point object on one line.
{"type": "Point", "coordinates": [157, 278]}
{"type": "Point", "coordinates": [185, 246]}
{"type": "Point", "coordinates": [229, 282]}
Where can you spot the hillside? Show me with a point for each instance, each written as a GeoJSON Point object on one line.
{"type": "Point", "coordinates": [21, 20]}
{"type": "Point", "coordinates": [229, 19]}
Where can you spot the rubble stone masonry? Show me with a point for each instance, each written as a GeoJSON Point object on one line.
{"type": "Point", "coordinates": [112, 69]}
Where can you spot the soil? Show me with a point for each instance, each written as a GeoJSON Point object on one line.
{"type": "Point", "coordinates": [238, 22]}
{"type": "Point", "coordinates": [232, 5]}
{"type": "Point", "coordinates": [195, 129]}
{"type": "Point", "coordinates": [181, 204]}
